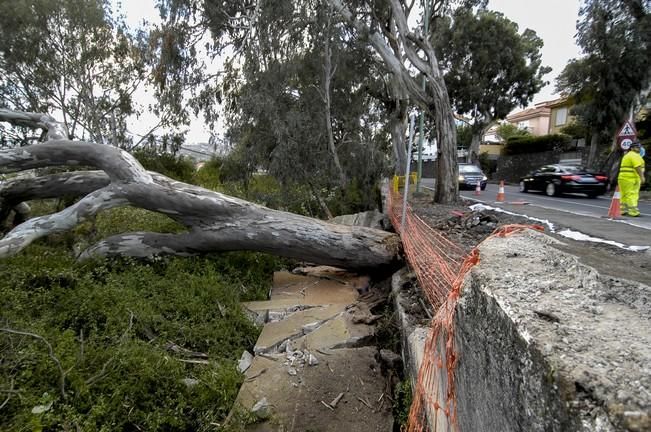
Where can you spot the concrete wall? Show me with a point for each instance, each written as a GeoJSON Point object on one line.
{"type": "Point", "coordinates": [511, 168]}
{"type": "Point", "coordinates": [491, 149]}
{"type": "Point", "coordinates": [545, 344]}
{"type": "Point", "coordinates": [503, 382]}
{"type": "Point", "coordinates": [539, 126]}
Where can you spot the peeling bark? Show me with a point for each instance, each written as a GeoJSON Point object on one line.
{"type": "Point", "coordinates": [328, 74]}
{"type": "Point", "coordinates": [433, 99]}
{"type": "Point", "coordinates": [52, 128]}
{"type": "Point", "coordinates": [215, 222]}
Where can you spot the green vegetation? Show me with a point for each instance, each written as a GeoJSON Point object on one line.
{"type": "Point", "coordinates": [507, 131]}
{"type": "Point", "coordinates": [123, 344]}
{"type": "Point", "coordinates": [178, 168]}
{"type": "Point", "coordinates": [536, 144]}
{"type": "Point", "coordinates": [402, 403]}
{"type": "Point", "coordinates": [223, 175]}
{"type": "Point", "coordinates": [120, 330]}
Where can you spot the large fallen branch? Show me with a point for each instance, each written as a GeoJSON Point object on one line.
{"type": "Point", "coordinates": [214, 221]}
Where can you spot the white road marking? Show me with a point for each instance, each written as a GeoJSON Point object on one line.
{"type": "Point", "coordinates": [568, 201]}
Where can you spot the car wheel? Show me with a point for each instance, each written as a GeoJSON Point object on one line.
{"type": "Point", "coordinates": [550, 190]}
{"type": "Point", "coordinates": [523, 187]}
{"type": "Point", "coordinates": [483, 188]}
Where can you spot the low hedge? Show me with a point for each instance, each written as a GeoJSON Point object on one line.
{"type": "Point", "coordinates": [536, 144]}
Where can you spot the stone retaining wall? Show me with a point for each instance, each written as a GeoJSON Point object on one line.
{"type": "Point", "coordinates": [547, 344]}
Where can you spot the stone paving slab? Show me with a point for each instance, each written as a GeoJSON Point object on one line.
{"type": "Point", "coordinates": [295, 325]}
{"type": "Point", "coordinates": [339, 332]}
{"type": "Point", "coordinates": [292, 293]}
{"type": "Point", "coordinates": [310, 350]}
{"type": "Point", "coordinates": [311, 290]}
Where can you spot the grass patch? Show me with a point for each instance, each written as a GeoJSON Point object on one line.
{"type": "Point", "coordinates": [122, 332]}
{"type": "Point", "coordinates": [402, 403]}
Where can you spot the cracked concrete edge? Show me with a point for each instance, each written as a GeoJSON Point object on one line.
{"type": "Point", "coordinates": [303, 331]}
{"type": "Point", "coordinates": [556, 412]}
{"type": "Point", "coordinates": [412, 337]}
{"type": "Point", "coordinates": [499, 298]}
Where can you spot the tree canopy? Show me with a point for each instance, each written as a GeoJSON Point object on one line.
{"type": "Point", "coordinates": [490, 68]}
{"type": "Point", "coordinates": [614, 73]}
{"type": "Point", "coordinates": [72, 58]}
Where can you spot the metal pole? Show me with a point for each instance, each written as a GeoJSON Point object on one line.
{"type": "Point", "coordinates": [421, 120]}
{"type": "Point", "coordinates": [404, 199]}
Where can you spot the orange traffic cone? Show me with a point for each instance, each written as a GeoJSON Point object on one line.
{"type": "Point", "coordinates": [615, 211]}
{"type": "Point", "coordinates": [500, 192]}
{"type": "Point", "coordinates": [478, 188]}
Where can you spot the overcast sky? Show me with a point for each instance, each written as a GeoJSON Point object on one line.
{"type": "Point", "coordinates": [553, 20]}
{"type": "Point", "coordinates": [555, 23]}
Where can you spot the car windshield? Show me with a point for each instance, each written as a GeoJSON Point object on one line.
{"type": "Point", "coordinates": [469, 169]}
{"type": "Point", "coordinates": [570, 169]}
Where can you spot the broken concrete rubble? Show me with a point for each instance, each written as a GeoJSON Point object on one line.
{"type": "Point", "coordinates": [261, 409]}
{"type": "Point", "coordinates": [313, 364]}
{"type": "Point", "coordinates": [245, 361]}
{"type": "Point", "coordinates": [371, 219]}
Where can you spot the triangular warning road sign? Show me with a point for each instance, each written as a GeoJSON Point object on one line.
{"type": "Point", "coordinates": [627, 130]}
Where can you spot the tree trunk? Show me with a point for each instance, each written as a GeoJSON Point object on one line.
{"type": "Point", "coordinates": [473, 151]}
{"type": "Point", "coordinates": [594, 147]}
{"type": "Point", "coordinates": [215, 222]}
{"type": "Point", "coordinates": [447, 173]}
{"type": "Point", "coordinates": [415, 54]}
{"type": "Point", "coordinates": [397, 125]}
{"type": "Point", "coordinates": [328, 73]}
{"type": "Point", "coordinates": [52, 128]}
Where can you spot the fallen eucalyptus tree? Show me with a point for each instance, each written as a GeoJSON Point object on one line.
{"type": "Point", "coordinates": [214, 221]}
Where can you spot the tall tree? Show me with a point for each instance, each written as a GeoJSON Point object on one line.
{"type": "Point", "coordinates": [614, 73]}
{"type": "Point", "coordinates": [408, 56]}
{"type": "Point", "coordinates": [297, 100]}
{"type": "Point", "coordinates": [490, 68]}
{"type": "Point", "coordinates": [72, 58]}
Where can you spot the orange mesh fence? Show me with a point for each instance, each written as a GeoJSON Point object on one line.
{"type": "Point", "coordinates": [435, 260]}
{"type": "Point", "coordinates": [440, 266]}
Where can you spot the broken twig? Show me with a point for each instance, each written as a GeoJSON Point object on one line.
{"type": "Point", "coordinates": [62, 373]}
{"type": "Point", "coordinates": [365, 403]}
{"type": "Point", "coordinates": [336, 400]}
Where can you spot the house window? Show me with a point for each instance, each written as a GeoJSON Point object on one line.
{"type": "Point", "coordinates": [524, 125]}
{"type": "Point", "coordinates": [561, 116]}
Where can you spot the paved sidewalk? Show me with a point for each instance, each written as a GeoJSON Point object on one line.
{"type": "Point", "coordinates": [313, 367]}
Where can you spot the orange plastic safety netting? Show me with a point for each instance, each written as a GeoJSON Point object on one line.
{"type": "Point", "coordinates": [440, 267]}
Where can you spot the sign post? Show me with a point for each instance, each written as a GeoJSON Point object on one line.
{"type": "Point", "coordinates": [626, 135]}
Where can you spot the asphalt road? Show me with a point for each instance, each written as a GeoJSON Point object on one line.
{"type": "Point", "coordinates": [576, 212]}
{"type": "Point", "coordinates": [572, 203]}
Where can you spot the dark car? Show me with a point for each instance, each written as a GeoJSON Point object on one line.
{"type": "Point", "coordinates": [469, 175]}
{"type": "Point", "coordinates": [557, 179]}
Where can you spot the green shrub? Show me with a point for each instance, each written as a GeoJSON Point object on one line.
{"type": "Point", "coordinates": [111, 324]}
{"type": "Point", "coordinates": [536, 144]}
{"type": "Point", "coordinates": [402, 402]}
{"type": "Point", "coordinates": [208, 176]}
{"type": "Point", "coordinates": [488, 165]}
{"type": "Point", "coordinates": [177, 167]}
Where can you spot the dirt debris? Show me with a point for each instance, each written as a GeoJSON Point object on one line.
{"type": "Point", "coordinates": [459, 224]}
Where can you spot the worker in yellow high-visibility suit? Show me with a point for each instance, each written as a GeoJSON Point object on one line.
{"type": "Point", "coordinates": [631, 177]}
